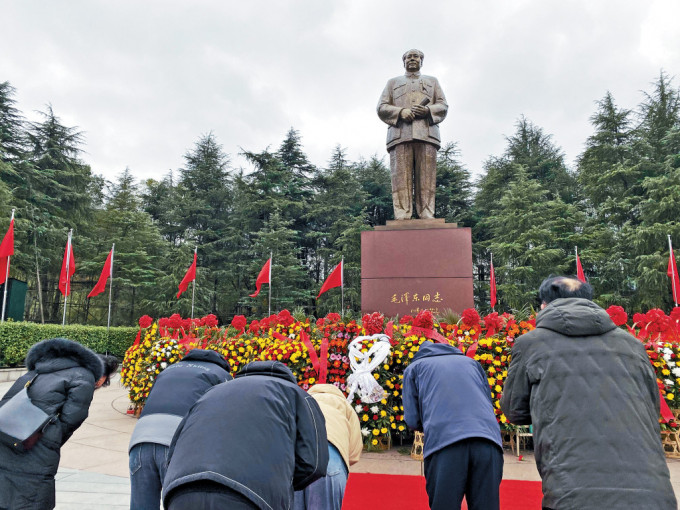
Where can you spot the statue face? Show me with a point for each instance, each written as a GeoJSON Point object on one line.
{"type": "Point", "coordinates": [412, 61]}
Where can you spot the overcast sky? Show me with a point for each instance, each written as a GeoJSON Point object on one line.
{"type": "Point", "coordinates": [144, 80]}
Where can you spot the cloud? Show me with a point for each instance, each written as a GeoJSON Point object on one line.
{"type": "Point", "coordinates": [145, 80]}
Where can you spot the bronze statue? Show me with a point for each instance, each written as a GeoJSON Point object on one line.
{"type": "Point", "coordinates": [413, 105]}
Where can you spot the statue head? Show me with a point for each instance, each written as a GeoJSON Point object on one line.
{"type": "Point", "coordinates": [413, 60]}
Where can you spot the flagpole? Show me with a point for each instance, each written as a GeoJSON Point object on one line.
{"type": "Point", "coordinates": [68, 261]}
{"type": "Point", "coordinates": [193, 289]}
{"type": "Point", "coordinates": [108, 322]}
{"type": "Point", "coordinates": [271, 261]}
{"type": "Point", "coordinates": [4, 297]}
{"type": "Point", "coordinates": [342, 285]}
{"type": "Point", "coordinates": [493, 308]}
{"type": "Point", "coordinates": [670, 247]}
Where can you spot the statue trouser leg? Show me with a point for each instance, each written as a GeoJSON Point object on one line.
{"type": "Point", "coordinates": [401, 165]}
{"type": "Point", "coordinates": [425, 156]}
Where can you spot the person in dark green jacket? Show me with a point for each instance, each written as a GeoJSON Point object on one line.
{"type": "Point", "coordinates": [590, 392]}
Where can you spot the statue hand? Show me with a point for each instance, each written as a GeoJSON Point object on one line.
{"type": "Point", "coordinates": [407, 115]}
{"type": "Point", "coordinates": [420, 111]}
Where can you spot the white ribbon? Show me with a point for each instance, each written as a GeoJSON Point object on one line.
{"type": "Point", "coordinates": [363, 364]}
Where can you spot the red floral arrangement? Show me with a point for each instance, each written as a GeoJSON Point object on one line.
{"type": "Point", "coordinates": [373, 323]}
{"type": "Point", "coordinates": [618, 315]}
{"type": "Point", "coordinates": [285, 318]}
{"type": "Point", "coordinates": [406, 319]}
{"type": "Point", "coordinates": [470, 317]}
{"type": "Point", "coordinates": [493, 323]}
{"type": "Point", "coordinates": [424, 320]}
{"type": "Point", "coordinates": [209, 321]}
{"type": "Point", "coordinates": [239, 322]}
{"type": "Point", "coordinates": [145, 321]}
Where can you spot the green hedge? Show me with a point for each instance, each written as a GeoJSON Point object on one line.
{"type": "Point", "coordinates": [16, 338]}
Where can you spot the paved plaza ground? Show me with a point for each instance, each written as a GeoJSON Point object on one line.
{"type": "Point", "coordinates": [93, 473]}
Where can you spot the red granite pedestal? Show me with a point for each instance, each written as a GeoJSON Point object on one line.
{"type": "Point", "coordinates": [412, 265]}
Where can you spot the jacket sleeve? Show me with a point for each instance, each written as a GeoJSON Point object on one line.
{"type": "Point", "coordinates": [311, 444]}
{"type": "Point", "coordinates": [79, 393]}
{"type": "Point", "coordinates": [439, 107]}
{"type": "Point", "coordinates": [411, 402]}
{"type": "Point", "coordinates": [517, 390]}
{"type": "Point", "coordinates": [356, 444]}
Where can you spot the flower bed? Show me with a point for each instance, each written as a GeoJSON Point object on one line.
{"type": "Point", "coordinates": [285, 338]}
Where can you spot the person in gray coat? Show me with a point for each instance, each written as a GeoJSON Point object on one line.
{"type": "Point", "coordinates": [68, 374]}
{"type": "Point", "coordinates": [174, 392]}
{"type": "Point", "coordinates": [590, 392]}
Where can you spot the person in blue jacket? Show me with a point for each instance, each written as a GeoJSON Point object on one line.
{"type": "Point", "coordinates": [175, 391]}
{"type": "Point", "coordinates": [446, 395]}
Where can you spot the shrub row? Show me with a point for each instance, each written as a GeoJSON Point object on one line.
{"type": "Point", "coordinates": [16, 338]}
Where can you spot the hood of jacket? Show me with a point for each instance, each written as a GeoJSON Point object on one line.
{"type": "Point", "coordinates": [208, 356]}
{"type": "Point", "coordinates": [60, 353]}
{"type": "Point", "coordinates": [329, 389]}
{"type": "Point", "coordinates": [432, 349]}
{"type": "Point", "coordinates": [574, 317]}
{"type": "Point", "coordinates": [268, 368]}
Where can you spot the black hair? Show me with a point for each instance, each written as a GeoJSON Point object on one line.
{"type": "Point", "coordinates": [110, 366]}
{"type": "Point", "coordinates": [556, 287]}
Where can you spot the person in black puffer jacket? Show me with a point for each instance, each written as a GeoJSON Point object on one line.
{"type": "Point", "coordinates": [247, 444]}
{"type": "Point", "coordinates": [590, 392]}
{"type": "Point", "coordinates": [174, 391]}
{"type": "Point", "coordinates": [68, 374]}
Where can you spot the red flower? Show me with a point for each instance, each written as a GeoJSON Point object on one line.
{"type": "Point", "coordinates": [424, 320]}
{"type": "Point", "coordinates": [618, 315]}
{"type": "Point", "coordinates": [285, 318]}
{"type": "Point", "coordinates": [675, 314]}
{"type": "Point", "coordinates": [373, 323]}
{"type": "Point", "coordinates": [406, 319]}
{"type": "Point", "coordinates": [319, 323]}
{"type": "Point", "coordinates": [470, 317]}
{"type": "Point", "coordinates": [145, 321]}
{"type": "Point", "coordinates": [209, 321]}
{"type": "Point", "coordinates": [333, 317]}
{"type": "Point", "coordinates": [239, 322]}
{"type": "Point", "coordinates": [174, 321]}
{"type": "Point", "coordinates": [493, 323]}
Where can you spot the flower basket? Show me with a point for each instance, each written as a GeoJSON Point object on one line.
{"type": "Point", "coordinates": [384, 443]}
{"type": "Point", "coordinates": [418, 445]}
{"type": "Point", "coordinates": [671, 444]}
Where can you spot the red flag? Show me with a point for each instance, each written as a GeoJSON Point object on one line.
{"type": "Point", "coordinates": [263, 277]}
{"type": "Point", "coordinates": [106, 274]}
{"type": "Point", "coordinates": [673, 275]}
{"type": "Point", "coordinates": [189, 277]}
{"type": "Point", "coordinates": [65, 276]}
{"type": "Point", "coordinates": [334, 279]}
{"type": "Point", "coordinates": [579, 270]}
{"type": "Point", "coordinates": [492, 282]}
{"type": "Point", "coordinates": [6, 251]}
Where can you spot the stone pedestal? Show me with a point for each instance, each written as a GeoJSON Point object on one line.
{"type": "Point", "coordinates": [412, 265]}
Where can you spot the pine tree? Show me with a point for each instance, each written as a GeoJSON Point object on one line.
{"type": "Point", "coordinates": [454, 188]}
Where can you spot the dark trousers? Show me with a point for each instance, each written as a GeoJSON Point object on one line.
{"type": "Point", "coordinates": [205, 495]}
{"type": "Point", "coordinates": [472, 468]}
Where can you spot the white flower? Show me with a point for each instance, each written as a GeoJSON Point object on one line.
{"type": "Point", "coordinates": [364, 431]}
{"type": "Point", "coordinates": [164, 364]}
{"type": "Point", "coordinates": [358, 409]}
{"type": "Point", "coordinates": [375, 409]}
{"type": "Point", "coordinates": [676, 371]}
{"type": "Point", "coordinates": [667, 357]}
{"type": "Point", "coordinates": [667, 350]}
{"type": "Point", "coordinates": [668, 382]}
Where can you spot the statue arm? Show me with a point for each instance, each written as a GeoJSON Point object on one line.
{"type": "Point", "coordinates": [387, 112]}
{"type": "Point", "coordinates": [438, 107]}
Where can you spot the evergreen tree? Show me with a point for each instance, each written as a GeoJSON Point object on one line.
{"type": "Point", "coordinates": [454, 189]}
{"type": "Point", "coordinates": [374, 178]}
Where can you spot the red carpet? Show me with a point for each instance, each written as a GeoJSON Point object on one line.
{"type": "Point", "coordinates": [401, 492]}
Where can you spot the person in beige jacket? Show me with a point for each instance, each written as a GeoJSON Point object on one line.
{"type": "Point", "coordinates": [344, 449]}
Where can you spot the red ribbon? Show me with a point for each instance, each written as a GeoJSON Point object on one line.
{"type": "Point", "coordinates": [139, 337]}
{"type": "Point", "coordinates": [320, 368]}
{"type": "Point", "coordinates": [666, 412]}
{"type": "Point", "coordinates": [472, 350]}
